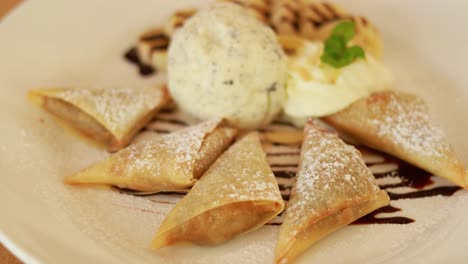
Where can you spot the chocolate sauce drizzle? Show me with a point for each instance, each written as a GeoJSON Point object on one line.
{"type": "Point", "coordinates": [407, 175]}
{"type": "Point", "coordinates": [410, 176]}
{"type": "Point", "coordinates": [443, 190]}
{"type": "Point", "coordinates": [285, 174]}
{"type": "Point", "coordinates": [373, 219]}
{"type": "Point", "coordinates": [132, 57]}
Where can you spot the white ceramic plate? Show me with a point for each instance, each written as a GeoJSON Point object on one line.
{"type": "Point", "coordinates": [80, 43]}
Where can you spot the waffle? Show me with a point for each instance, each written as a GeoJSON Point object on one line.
{"type": "Point", "coordinates": [292, 20]}
{"type": "Point", "coordinates": [177, 20]}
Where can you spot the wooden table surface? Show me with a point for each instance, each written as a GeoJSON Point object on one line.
{"type": "Point", "coordinates": [5, 256]}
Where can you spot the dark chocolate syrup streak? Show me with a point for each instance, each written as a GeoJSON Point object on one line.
{"type": "Point", "coordinates": [132, 56]}
{"type": "Point", "coordinates": [410, 176]}
{"type": "Point", "coordinates": [406, 175]}
{"type": "Point", "coordinates": [372, 219]}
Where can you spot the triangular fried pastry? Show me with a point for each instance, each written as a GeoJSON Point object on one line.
{"type": "Point", "coordinates": [333, 188]}
{"type": "Point", "coordinates": [167, 163]}
{"type": "Point", "coordinates": [399, 124]}
{"type": "Point", "coordinates": [236, 195]}
{"type": "Point", "coordinates": [109, 117]}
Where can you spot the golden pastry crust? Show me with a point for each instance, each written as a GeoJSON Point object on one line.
{"type": "Point", "coordinates": [236, 195]}
{"type": "Point", "coordinates": [84, 124]}
{"type": "Point", "coordinates": [399, 124]}
{"type": "Point", "coordinates": [167, 163]}
{"type": "Point", "coordinates": [108, 117]}
{"type": "Point", "coordinates": [333, 188]}
{"type": "Point", "coordinates": [213, 146]}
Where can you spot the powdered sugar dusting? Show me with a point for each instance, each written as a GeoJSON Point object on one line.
{"type": "Point", "coordinates": [116, 109]}
{"type": "Point", "coordinates": [331, 173]}
{"type": "Point", "coordinates": [119, 225]}
{"type": "Point", "coordinates": [165, 161]}
{"type": "Point", "coordinates": [405, 121]}
{"type": "Point", "coordinates": [242, 173]}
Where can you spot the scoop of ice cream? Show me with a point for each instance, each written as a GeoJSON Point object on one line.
{"type": "Point", "coordinates": [315, 89]}
{"type": "Point", "coordinates": [225, 63]}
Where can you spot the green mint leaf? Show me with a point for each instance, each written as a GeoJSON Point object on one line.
{"type": "Point", "coordinates": [336, 62]}
{"type": "Point", "coordinates": [336, 51]}
{"type": "Point", "coordinates": [335, 45]}
{"type": "Point", "coordinates": [357, 52]}
{"type": "Point", "coordinates": [344, 30]}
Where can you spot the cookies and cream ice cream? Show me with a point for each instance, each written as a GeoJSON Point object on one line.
{"type": "Point", "coordinates": [315, 89]}
{"type": "Point", "coordinates": [224, 62]}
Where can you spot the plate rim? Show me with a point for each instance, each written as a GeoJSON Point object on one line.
{"type": "Point", "coordinates": [15, 246]}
